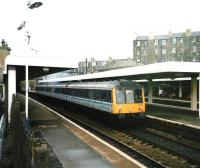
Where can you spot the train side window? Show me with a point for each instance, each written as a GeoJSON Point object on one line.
{"type": "Point", "coordinates": [45, 89]}
{"type": "Point", "coordinates": [98, 95]}
{"type": "Point", "coordinates": [52, 90]}
{"type": "Point", "coordinates": [75, 92]}
{"type": "Point", "coordinates": [56, 90]}
{"type": "Point", "coordinates": [90, 94]}
{"type": "Point", "coordinates": [87, 93]}
{"type": "Point", "coordinates": [59, 90]}
{"type": "Point", "coordinates": [108, 96]}
{"type": "Point", "coordinates": [82, 93]}
{"type": "Point", "coordinates": [103, 95]}
{"type": "Point", "coordinates": [69, 91]}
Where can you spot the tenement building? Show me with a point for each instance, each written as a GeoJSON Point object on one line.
{"type": "Point", "coordinates": [171, 47]}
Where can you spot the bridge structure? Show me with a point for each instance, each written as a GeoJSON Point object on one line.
{"type": "Point", "coordinates": [34, 67]}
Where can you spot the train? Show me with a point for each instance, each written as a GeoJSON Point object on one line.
{"type": "Point", "coordinates": [118, 97]}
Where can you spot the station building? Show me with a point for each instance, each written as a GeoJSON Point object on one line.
{"type": "Point", "coordinates": [4, 52]}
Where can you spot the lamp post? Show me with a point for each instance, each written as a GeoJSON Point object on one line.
{"type": "Point", "coordinates": [31, 5]}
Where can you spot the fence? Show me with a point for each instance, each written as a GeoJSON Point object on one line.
{"type": "Point", "coordinates": [2, 129]}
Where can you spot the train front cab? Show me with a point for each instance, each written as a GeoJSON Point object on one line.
{"type": "Point", "coordinates": [129, 101]}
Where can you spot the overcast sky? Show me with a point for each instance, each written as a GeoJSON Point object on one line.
{"type": "Point", "coordinates": [77, 29]}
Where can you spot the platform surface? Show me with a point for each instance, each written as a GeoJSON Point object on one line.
{"type": "Point", "coordinates": [71, 151]}
{"type": "Point", "coordinates": [187, 117]}
{"type": "Point", "coordinates": [74, 148]}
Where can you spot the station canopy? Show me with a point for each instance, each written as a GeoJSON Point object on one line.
{"type": "Point", "coordinates": [39, 66]}
{"type": "Point", "coordinates": [170, 70]}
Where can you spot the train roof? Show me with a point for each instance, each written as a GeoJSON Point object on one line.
{"type": "Point", "coordinates": [108, 85]}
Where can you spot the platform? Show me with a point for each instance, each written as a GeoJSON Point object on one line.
{"type": "Point", "coordinates": [177, 114]}
{"type": "Point", "coordinates": [73, 147]}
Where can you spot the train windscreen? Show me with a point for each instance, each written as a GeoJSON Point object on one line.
{"type": "Point", "coordinates": [129, 96]}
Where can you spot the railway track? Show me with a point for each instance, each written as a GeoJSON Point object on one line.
{"type": "Point", "coordinates": [139, 147]}
{"type": "Point", "coordinates": [169, 142]}
{"type": "Point", "coordinates": [181, 139]}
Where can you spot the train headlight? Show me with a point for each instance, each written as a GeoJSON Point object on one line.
{"type": "Point", "coordinates": [120, 109]}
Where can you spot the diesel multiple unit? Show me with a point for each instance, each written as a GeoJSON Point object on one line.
{"type": "Point", "coordinates": [116, 97]}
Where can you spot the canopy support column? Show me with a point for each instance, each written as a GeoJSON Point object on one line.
{"type": "Point", "coordinates": [194, 93]}
{"type": "Point", "coordinates": [150, 94]}
{"type": "Point", "coordinates": [11, 88]}
{"type": "Point", "coordinates": [27, 86]}
{"type": "Point", "coordinates": [180, 88]}
{"type": "Point", "coordinates": [199, 95]}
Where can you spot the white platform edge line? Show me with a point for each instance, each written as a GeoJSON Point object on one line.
{"type": "Point", "coordinates": [174, 122]}
{"type": "Point", "coordinates": [171, 106]}
{"type": "Point", "coordinates": [94, 136]}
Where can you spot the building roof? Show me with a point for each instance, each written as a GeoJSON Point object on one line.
{"type": "Point", "coordinates": [181, 34]}
{"type": "Point", "coordinates": [151, 71]}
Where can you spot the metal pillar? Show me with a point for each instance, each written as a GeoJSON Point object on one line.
{"type": "Point", "coordinates": [180, 93]}
{"type": "Point", "coordinates": [194, 93]}
{"type": "Point", "coordinates": [150, 94]}
{"type": "Point", "coordinates": [11, 88]}
{"type": "Point", "coordinates": [199, 95]}
{"type": "Point", "coordinates": [27, 86]}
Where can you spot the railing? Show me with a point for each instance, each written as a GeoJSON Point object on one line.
{"type": "Point", "coordinates": [2, 129]}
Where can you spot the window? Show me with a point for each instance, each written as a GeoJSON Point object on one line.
{"type": "Point", "coordinates": [138, 53]}
{"type": "Point", "coordinates": [156, 42]}
{"type": "Point", "coordinates": [138, 43]}
{"type": "Point", "coordinates": [164, 42]}
{"type": "Point", "coordinates": [156, 51]}
{"type": "Point", "coordinates": [59, 90]}
{"type": "Point", "coordinates": [181, 51]}
{"type": "Point", "coordinates": [173, 50]}
{"type": "Point", "coordinates": [194, 49]}
{"type": "Point", "coordinates": [181, 40]}
{"type": "Point", "coordinates": [129, 96]}
{"type": "Point", "coordinates": [145, 53]}
{"type": "Point", "coordinates": [163, 51]}
{"type": "Point", "coordinates": [145, 43]}
{"type": "Point", "coordinates": [174, 40]}
{"type": "Point", "coordinates": [193, 39]}
{"type": "Point", "coordinates": [138, 60]}
{"type": "Point", "coordinates": [120, 97]}
{"type": "Point", "coordinates": [138, 95]}
{"type": "Point", "coordinates": [51, 89]}
{"type": "Point", "coordinates": [198, 39]}
{"type": "Point", "coordinates": [163, 59]}
{"type": "Point", "coordinates": [103, 95]}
